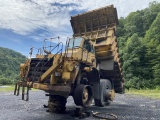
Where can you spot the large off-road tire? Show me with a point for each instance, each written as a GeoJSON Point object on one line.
{"type": "Point", "coordinates": [57, 104]}
{"type": "Point", "coordinates": [83, 95]}
{"type": "Point", "coordinates": [105, 88]}
{"type": "Point", "coordinates": [119, 87]}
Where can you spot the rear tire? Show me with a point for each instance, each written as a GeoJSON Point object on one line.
{"type": "Point", "coordinates": [105, 88]}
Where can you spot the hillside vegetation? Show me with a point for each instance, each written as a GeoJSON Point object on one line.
{"type": "Point", "coordinates": [139, 43]}
{"type": "Point", "coordinates": [9, 65]}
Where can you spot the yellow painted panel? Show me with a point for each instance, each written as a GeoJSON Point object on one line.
{"type": "Point", "coordinates": [66, 75]}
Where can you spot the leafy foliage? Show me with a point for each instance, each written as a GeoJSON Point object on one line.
{"type": "Point", "coordinates": [139, 44]}
{"type": "Point", "coordinates": [9, 65]}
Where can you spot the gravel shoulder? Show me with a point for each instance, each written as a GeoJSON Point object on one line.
{"type": "Point", "coordinates": [125, 106]}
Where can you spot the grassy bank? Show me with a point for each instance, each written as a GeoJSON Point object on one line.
{"type": "Point", "coordinates": [147, 93]}
{"type": "Point", "coordinates": [8, 88]}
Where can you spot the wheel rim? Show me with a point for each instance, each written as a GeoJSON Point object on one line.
{"type": "Point", "coordinates": [83, 95]}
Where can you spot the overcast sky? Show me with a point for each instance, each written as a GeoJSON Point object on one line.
{"type": "Point", "coordinates": [26, 23]}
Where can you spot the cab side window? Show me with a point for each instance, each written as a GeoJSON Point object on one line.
{"type": "Point", "coordinates": [88, 46]}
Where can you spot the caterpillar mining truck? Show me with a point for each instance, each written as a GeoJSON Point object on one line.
{"type": "Point", "coordinates": [88, 69]}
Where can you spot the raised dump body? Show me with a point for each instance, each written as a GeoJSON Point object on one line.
{"type": "Point", "coordinates": [100, 26]}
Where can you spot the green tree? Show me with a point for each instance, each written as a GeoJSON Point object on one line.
{"type": "Point", "coordinates": [139, 47]}
{"type": "Point", "coordinates": [152, 40]}
{"type": "Point", "coordinates": [133, 64]}
{"type": "Point", "coordinates": [9, 65]}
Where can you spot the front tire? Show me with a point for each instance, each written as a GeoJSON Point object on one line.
{"type": "Point", "coordinates": [83, 95]}
{"type": "Point", "coordinates": [56, 104]}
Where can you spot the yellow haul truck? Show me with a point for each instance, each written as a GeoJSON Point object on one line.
{"type": "Point", "coordinates": [88, 69]}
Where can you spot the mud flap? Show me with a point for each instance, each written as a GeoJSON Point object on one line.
{"type": "Point", "coordinates": [94, 81]}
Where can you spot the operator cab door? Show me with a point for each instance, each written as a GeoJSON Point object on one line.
{"type": "Point", "coordinates": [88, 52]}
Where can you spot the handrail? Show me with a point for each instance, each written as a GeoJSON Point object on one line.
{"type": "Point", "coordinates": [57, 46]}
{"type": "Point", "coordinates": [44, 45]}
{"type": "Point", "coordinates": [59, 51]}
{"type": "Point", "coordinates": [66, 47]}
{"type": "Point", "coordinates": [38, 52]}
{"type": "Point", "coordinates": [52, 50]}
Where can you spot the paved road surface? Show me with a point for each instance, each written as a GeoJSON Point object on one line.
{"type": "Point", "coordinates": [126, 107]}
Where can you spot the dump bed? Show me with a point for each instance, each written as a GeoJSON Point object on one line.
{"type": "Point", "coordinates": [100, 26]}
{"type": "Point", "coordinates": [94, 20]}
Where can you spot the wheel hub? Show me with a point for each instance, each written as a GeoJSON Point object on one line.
{"type": "Point", "coordinates": [83, 95]}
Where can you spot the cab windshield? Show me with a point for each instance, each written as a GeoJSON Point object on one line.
{"type": "Point", "coordinates": [74, 42]}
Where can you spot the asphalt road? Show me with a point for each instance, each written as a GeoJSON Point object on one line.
{"type": "Point", "coordinates": [126, 107]}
